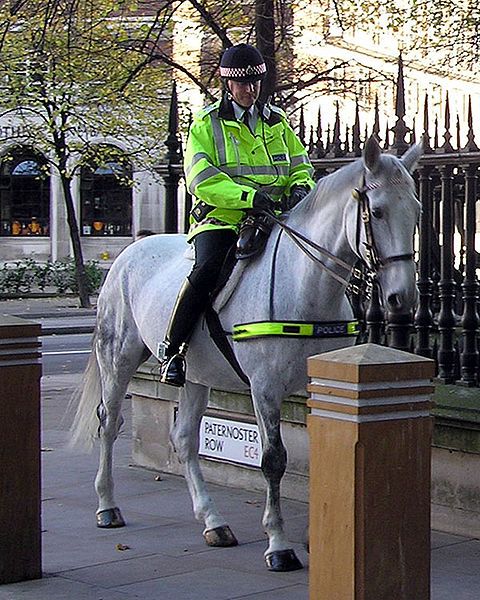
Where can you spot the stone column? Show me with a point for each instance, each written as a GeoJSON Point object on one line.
{"type": "Point", "coordinates": [370, 436]}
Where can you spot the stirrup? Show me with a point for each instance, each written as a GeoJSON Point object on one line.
{"type": "Point", "coordinates": [173, 369]}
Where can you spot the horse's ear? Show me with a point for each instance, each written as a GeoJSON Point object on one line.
{"type": "Point", "coordinates": [412, 156]}
{"type": "Point", "coordinates": [371, 153]}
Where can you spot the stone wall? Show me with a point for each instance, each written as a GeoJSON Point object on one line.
{"type": "Point", "coordinates": [455, 452]}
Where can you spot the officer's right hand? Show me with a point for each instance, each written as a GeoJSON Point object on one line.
{"type": "Point", "coordinates": [262, 201]}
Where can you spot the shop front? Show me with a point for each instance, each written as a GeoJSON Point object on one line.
{"type": "Point", "coordinates": [33, 222]}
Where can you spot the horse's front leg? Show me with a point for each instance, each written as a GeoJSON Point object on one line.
{"type": "Point", "coordinates": [279, 555]}
{"type": "Point", "coordinates": [185, 437]}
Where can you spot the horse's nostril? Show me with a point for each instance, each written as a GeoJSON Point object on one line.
{"type": "Point", "coordinates": [394, 301]}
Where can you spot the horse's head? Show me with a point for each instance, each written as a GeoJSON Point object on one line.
{"type": "Point", "coordinates": [386, 213]}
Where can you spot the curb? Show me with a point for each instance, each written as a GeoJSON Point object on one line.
{"type": "Point", "coordinates": [67, 330]}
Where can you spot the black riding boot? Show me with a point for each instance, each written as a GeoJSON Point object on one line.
{"type": "Point", "coordinates": [253, 236]}
{"type": "Point", "coordinates": [187, 309]}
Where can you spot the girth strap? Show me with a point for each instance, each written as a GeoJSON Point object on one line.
{"type": "Point", "coordinates": [220, 339]}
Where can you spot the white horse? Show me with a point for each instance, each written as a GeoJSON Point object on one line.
{"type": "Point", "coordinates": [283, 284]}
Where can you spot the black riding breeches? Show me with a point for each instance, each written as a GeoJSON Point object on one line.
{"type": "Point", "coordinates": [211, 249]}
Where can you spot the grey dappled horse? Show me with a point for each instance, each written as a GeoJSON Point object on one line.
{"type": "Point", "coordinates": [139, 292]}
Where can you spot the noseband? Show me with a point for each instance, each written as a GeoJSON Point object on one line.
{"type": "Point", "coordinates": [364, 215]}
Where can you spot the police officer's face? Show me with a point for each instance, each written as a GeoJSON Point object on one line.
{"type": "Point", "coordinates": [244, 94]}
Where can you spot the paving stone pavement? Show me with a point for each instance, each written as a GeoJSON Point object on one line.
{"type": "Point", "coordinates": [163, 555]}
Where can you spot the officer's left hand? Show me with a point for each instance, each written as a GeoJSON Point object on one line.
{"type": "Point", "coordinates": [297, 193]}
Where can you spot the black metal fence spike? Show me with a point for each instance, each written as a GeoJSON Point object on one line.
{"type": "Point", "coordinates": [311, 142]}
{"type": "Point", "coordinates": [457, 128]}
{"type": "Point", "coordinates": [356, 141]}
{"type": "Point", "coordinates": [320, 148]}
{"type": "Point", "coordinates": [336, 149]}
{"type": "Point", "coordinates": [301, 126]}
{"type": "Point", "coordinates": [470, 146]}
{"type": "Point", "coordinates": [174, 160]}
{"type": "Point", "coordinates": [347, 151]}
{"type": "Point", "coordinates": [447, 136]}
{"type": "Point", "coordinates": [427, 149]}
{"type": "Point", "coordinates": [400, 128]}
{"type": "Point", "coordinates": [413, 137]}
{"type": "Point", "coordinates": [376, 121]}
{"type": "Point", "coordinates": [387, 136]}
{"type": "Point", "coordinates": [173, 142]}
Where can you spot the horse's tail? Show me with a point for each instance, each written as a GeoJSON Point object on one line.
{"type": "Point", "coordinates": [86, 398]}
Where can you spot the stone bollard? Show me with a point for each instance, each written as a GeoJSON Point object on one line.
{"type": "Point", "coordinates": [20, 372]}
{"type": "Point", "coordinates": [370, 435]}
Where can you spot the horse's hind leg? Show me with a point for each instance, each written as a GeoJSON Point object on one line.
{"type": "Point", "coordinates": [279, 556]}
{"type": "Point", "coordinates": [118, 360]}
{"type": "Point", "coordinates": [185, 437]}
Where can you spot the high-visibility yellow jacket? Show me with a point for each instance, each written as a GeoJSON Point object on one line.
{"type": "Point", "coordinates": [225, 164]}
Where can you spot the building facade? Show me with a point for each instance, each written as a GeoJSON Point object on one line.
{"type": "Point", "coordinates": [33, 218]}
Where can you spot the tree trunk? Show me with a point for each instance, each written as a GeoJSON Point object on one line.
{"type": "Point", "coordinates": [80, 272]}
{"type": "Point", "coordinates": [265, 36]}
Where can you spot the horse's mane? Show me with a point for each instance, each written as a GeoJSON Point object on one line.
{"type": "Point", "coordinates": [328, 188]}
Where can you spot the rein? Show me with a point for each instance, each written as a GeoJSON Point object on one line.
{"type": "Point", "coordinates": [303, 243]}
{"type": "Point", "coordinates": [373, 262]}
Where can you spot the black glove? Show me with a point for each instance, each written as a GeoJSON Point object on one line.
{"type": "Point", "coordinates": [262, 201]}
{"type": "Point", "coordinates": [297, 193]}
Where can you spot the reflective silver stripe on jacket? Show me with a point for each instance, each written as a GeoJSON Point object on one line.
{"type": "Point", "coordinates": [202, 176]}
{"type": "Point", "coordinates": [211, 221]}
{"type": "Point", "coordinates": [218, 138]}
{"type": "Point", "coordinates": [241, 170]}
{"type": "Point", "coordinates": [273, 190]}
{"type": "Point", "coordinates": [196, 158]}
{"type": "Point", "coordinates": [298, 160]}
{"type": "Point", "coordinates": [246, 170]}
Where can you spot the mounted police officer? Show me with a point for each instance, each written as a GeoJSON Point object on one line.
{"type": "Point", "coordinates": [242, 159]}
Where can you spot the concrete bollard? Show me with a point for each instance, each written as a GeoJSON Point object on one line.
{"type": "Point", "coordinates": [370, 435]}
{"type": "Point", "coordinates": [20, 373]}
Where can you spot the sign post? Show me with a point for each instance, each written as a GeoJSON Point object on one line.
{"type": "Point", "coordinates": [370, 437]}
{"type": "Point", "coordinates": [20, 372]}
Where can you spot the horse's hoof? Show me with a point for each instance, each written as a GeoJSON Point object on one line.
{"type": "Point", "coordinates": [221, 537]}
{"type": "Point", "coordinates": [283, 560]}
{"type": "Point", "coordinates": [109, 518]}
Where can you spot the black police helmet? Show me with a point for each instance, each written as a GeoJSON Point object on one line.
{"type": "Point", "coordinates": [242, 63]}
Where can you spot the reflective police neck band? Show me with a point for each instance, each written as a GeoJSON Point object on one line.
{"type": "Point", "coordinates": [296, 329]}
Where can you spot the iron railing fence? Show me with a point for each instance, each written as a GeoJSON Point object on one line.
{"type": "Point", "coordinates": [445, 325]}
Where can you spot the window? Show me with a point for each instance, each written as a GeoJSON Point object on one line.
{"type": "Point", "coordinates": [106, 200]}
{"type": "Point", "coordinates": [24, 194]}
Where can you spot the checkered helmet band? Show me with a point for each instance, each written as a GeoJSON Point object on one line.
{"type": "Point", "coordinates": [242, 72]}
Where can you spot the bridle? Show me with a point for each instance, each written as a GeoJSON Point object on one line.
{"type": "Point", "coordinates": [373, 261]}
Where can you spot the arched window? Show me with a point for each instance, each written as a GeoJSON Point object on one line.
{"type": "Point", "coordinates": [24, 194]}
{"type": "Point", "coordinates": [106, 199]}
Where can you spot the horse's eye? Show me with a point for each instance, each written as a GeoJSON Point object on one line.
{"type": "Point", "coordinates": [377, 213]}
